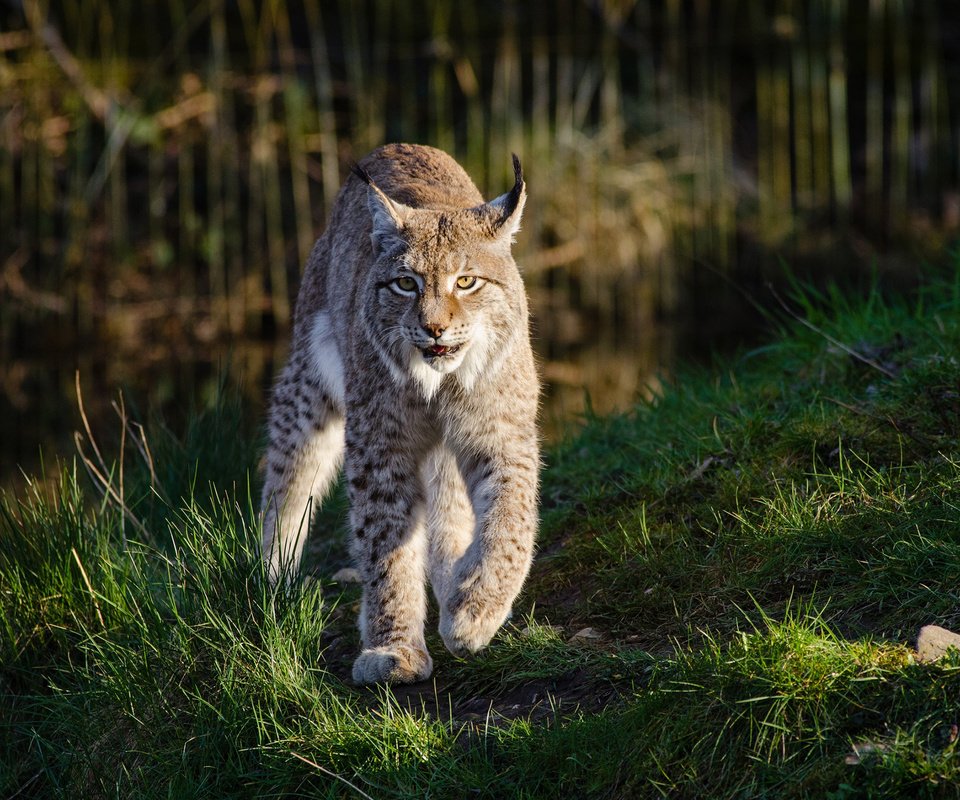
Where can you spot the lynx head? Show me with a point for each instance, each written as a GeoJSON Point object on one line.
{"type": "Point", "coordinates": [444, 294]}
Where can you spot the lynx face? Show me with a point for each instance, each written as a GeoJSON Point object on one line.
{"type": "Point", "coordinates": [444, 294]}
{"type": "Point", "coordinates": [434, 316]}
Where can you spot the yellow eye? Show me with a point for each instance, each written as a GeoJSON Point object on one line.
{"type": "Point", "coordinates": [466, 282]}
{"type": "Point", "coordinates": [406, 284]}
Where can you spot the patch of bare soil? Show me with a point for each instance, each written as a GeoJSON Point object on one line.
{"type": "Point", "coordinates": [538, 701]}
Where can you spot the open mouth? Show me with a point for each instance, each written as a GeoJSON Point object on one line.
{"type": "Point", "coordinates": [439, 350]}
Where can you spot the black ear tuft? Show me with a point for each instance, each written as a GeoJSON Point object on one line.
{"type": "Point", "coordinates": [362, 174]}
{"type": "Point", "coordinates": [501, 216]}
{"type": "Point", "coordinates": [509, 207]}
{"type": "Point", "coordinates": [514, 196]}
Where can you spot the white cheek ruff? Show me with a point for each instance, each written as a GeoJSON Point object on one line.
{"type": "Point", "coordinates": [476, 358]}
{"type": "Point", "coordinates": [427, 377]}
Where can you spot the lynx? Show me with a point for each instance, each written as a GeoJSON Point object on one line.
{"type": "Point", "coordinates": [411, 366]}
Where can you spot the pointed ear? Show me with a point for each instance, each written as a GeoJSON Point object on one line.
{"type": "Point", "coordinates": [503, 214]}
{"type": "Point", "coordinates": [388, 216]}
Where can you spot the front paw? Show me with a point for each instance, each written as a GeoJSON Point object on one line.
{"type": "Point", "coordinates": [398, 663]}
{"type": "Point", "coordinates": [468, 625]}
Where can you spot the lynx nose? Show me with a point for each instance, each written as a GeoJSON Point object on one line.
{"type": "Point", "coordinates": [434, 329]}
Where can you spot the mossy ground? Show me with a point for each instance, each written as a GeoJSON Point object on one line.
{"type": "Point", "coordinates": [754, 551]}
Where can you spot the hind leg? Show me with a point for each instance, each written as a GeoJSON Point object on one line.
{"type": "Point", "coordinates": [306, 442]}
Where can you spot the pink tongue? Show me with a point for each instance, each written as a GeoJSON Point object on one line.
{"type": "Point", "coordinates": [438, 349]}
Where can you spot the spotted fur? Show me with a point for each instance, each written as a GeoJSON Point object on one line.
{"type": "Point", "coordinates": [411, 367]}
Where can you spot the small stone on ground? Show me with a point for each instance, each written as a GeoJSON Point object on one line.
{"type": "Point", "coordinates": [346, 575]}
{"type": "Point", "coordinates": [934, 641]}
{"type": "Point", "coordinates": [586, 636]}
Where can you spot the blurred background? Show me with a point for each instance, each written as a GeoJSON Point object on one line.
{"type": "Point", "coordinates": [166, 166]}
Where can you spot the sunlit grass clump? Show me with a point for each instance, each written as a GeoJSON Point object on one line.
{"type": "Point", "coordinates": [725, 604]}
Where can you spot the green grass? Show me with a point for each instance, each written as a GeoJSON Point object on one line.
{"type": "Point", "coordinates": [756, 551]}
